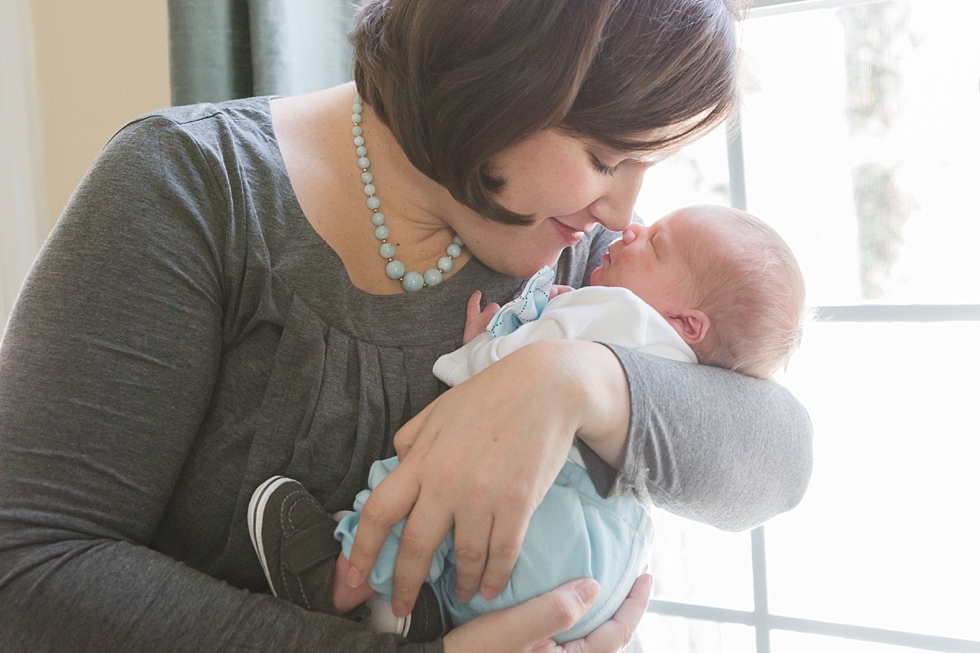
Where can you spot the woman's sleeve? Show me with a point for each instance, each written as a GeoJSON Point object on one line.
{"type": "Point", "coordinates": [106, 371]}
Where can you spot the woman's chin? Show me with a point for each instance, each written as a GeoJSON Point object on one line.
{"type": "Point", "coordinates": [524, 269]}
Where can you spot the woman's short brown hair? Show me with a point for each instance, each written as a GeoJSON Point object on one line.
{"type": "Point", "coordinates": [459, 81]}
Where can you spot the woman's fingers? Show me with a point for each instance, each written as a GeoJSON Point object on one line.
{"type": "Point", "coordinates": [470, 538]}
{"type": "Point", "coordinates": [387, 505]}
{"type": "Point", "coordinates": [526, 627]}
{"type": "Point", "coordinates": [616, 633]}
{"type": "Point", "coordinates": [425, 529]}
{"type": "Point", "coordinates": [506, 539]}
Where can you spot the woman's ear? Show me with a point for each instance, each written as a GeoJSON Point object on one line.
{"type": "Point", "coordinates": [692, 324]}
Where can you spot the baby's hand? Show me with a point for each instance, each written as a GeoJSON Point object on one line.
{"type": "Point", "coordinates": [477, 320]}
{"type": "Point", "coordinates": [557, 289]}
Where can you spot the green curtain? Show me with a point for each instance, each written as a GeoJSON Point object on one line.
{"type": "Point", "coordinates": [225, 49]}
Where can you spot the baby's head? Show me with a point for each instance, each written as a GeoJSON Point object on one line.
{"type": "Point", "coordinates": [722, 278]}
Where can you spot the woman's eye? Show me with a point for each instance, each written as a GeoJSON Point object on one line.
{"type": "Point", "coordinates": [602, 167]}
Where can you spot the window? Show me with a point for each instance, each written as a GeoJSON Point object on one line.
{"type": "Point", "coordinates": [860, 143]}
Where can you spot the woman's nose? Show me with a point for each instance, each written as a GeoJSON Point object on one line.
{"type": "Point", "coordinates": [630, 233]}
{"type": "Point", "coordinates": [614, 209]}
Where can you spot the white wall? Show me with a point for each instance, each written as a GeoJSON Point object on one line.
{"type": "Point", "coordinates": [23, 218]}
{"type": "Point", "coordinates": [99, 64]}
{"type": "Point", "coordinates": [71, 74]}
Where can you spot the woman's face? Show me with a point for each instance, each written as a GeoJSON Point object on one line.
{"type": "Point", "coordinates": [568, 185]}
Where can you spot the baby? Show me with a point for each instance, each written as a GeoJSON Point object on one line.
{"type": "Point", "coordinates": [704, 284]}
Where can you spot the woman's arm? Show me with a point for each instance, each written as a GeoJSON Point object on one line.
{"type": "Point", "coordinates": [709, 444]}
{"type": "Point", "coordinates": [106, 371]}
{"type": "Point", "coordinates": [704, 443]}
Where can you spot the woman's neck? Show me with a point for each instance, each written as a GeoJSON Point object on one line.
{"type": "Point", "coordinates": [314, 133]}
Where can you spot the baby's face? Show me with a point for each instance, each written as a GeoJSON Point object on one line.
{"type": "Point", "coordinates": [651, 261]}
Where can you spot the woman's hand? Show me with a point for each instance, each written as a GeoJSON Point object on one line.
{"type": "Point", "coordinates": [480, 458]}
{"type": "Point", "coordinates": [529, 627]}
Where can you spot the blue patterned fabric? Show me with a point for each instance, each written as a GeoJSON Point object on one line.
{"type": "Point", "coordinates": [527, 307]}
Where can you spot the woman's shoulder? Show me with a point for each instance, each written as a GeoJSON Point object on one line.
{"type": "Point", "coordinates": [221, 132]}
{"type": "Point", "coordinates": [248, 114]}
{"type": "Point", "coordinates": [220, 159]}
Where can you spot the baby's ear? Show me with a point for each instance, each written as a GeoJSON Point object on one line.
{"type": "Point", "coordinates": [692, 324]}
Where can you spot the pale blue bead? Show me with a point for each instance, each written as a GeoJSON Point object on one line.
{"type": "Point", "coordinates": [413, 282]}
{"type": "Point", "coordinates": [381, 232]}
{"type": "Point", "coordinates": [387, 250]}
{"type": "Point", "coordinates": [358, 140]}
{"type": "Point", "coordinates": [377, 219]}
{"type": "Point", "coordinates": [363, 163]}
{"type": "Point", "coordinates": [395, 270]}
{"type": "Point", "coordinates": [356, 118]}
{"type": "Point", "coordinates": [357, 131]}
{"type": "Point", "coordinates": [457, 241]}
{"type": "Point", "coordinates": [356, 107]}
{"type": "Point", "coordinates": [453, 250]}
{"type": "Point", "coordinates": [374, 202]}
{"type": "Point", "coordinates": [361, 151]}
{"type": "Point", "coordinates": [445, 264]}
{"type": "Point", "coordinates": [369, 189]}
{"type": "Point", "coordinates": [366, 177]}
{"type": "Point", "coordinates": [432, 277]}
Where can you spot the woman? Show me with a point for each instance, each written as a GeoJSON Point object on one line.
{"type": "Point", "coordinates": [212, 310]}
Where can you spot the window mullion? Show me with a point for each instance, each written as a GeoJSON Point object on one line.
{"type": "Point", "coordinates": [760, 590]}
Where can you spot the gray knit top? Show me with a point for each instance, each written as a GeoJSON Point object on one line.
{"type": "Point", "coordinates": [185, 334]}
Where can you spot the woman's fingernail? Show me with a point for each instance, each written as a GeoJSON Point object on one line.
{"type": "Point", "coordinates": [587, 590]}
{"type": "Point", "coordinates": [400, 609]}
{"type": "Point", "coordinates": [354, 577]}
{"type": "Point", "coordinates": [488, 593]}
{"type": "Point", "coordinates": [647, 582]}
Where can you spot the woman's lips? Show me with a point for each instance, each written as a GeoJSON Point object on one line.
{"type": "Point", "coordinates": [568, 234]}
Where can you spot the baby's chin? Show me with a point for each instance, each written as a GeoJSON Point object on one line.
{"type": "Point", "coordinates": [595, 279]}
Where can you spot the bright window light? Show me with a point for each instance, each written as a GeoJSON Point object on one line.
{"type": "Point", "coordinates": [859, 142]}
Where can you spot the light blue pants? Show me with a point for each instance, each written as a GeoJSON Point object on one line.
{"type": "Point", "coordinates": [573, 534]}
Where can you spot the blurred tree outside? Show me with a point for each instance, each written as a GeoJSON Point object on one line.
{"type": "Point", "coordinates": [877, 37]}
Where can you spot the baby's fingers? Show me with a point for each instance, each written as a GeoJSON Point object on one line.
{"type": "Point", "coordinates": [477, 320]}
{"type": "Point", "coordinates": [473, 305]}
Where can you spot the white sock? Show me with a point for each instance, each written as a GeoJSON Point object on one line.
{"type": "Point", "coordinates": [383, 620]}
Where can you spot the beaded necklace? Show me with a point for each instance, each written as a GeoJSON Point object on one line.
{"type": "Point", "coordinates": [395, 269]}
